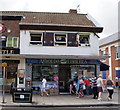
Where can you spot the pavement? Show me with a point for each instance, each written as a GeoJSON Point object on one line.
{"type": "Point", "coordinates": [63, 101]}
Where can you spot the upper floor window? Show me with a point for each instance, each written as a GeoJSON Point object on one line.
{"type": "Point", "coordinates": [118, 52]}
{"type": "Point", "coordinates": [36, 39]}
{"type": "Point", "coordinates": [103, 52]}
{"type": "Point", "coordinates": [60, 39]}
{"type": "Point", "coordinates": [83, 40]}
{"type": "Point", "coordinates": [12, 42]}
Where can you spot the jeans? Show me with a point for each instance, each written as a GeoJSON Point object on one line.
{"type": "Point", "coordinates": [87, 89]}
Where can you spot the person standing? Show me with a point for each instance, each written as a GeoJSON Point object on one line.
{"type": "Point", "coordinates": [99, 86]}
{"type": "Point", "coordinates": [87, 84]}
{"type": "Point", "coordinates": [94, 86]}
{"type": "Point", "coordinates": [71, 86]}
{"type": "Point", "coordinates": [44, 82]}
{"type": "Point", "coordinates": [79, 88]}
{"type": "Point", "coordinates": [110, 87]}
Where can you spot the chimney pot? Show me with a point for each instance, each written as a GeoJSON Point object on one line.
{"type": "Point", "coordinates": [73, 11]}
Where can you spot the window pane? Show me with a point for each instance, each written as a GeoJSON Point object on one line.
{"type": "Point", "coordinates": [14, 42]}
{"type": "Point", "coordinates": [36, 37]}
{"type": "Point", "coordinates": [118, 52]}
{"type": "Point", "coordinates": [84, 39]}
{"type": "Point", "coordinates": [60, 38]}
{"type": "Point", "coordinates": [9, 43]}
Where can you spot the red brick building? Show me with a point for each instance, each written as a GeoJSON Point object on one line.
{"type": "Point", "coordinates": [111, 46]}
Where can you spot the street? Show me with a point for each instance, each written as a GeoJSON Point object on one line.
{"type": "Point", "coordinates": [61, 108]}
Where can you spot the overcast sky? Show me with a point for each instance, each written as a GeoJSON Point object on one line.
{"type": "Point", "coordinates": [104, 11]}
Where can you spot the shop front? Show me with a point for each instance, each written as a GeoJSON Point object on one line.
{"type": "Point", "coordinates": [10, 74]}
{"type": "Point", "coordinates": [58, 72]}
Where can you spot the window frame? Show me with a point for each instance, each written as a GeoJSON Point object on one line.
{"type": "Point", "coordinates": [34, 34]}
{"type": "Point", "coordinates": [117, 52]}
{"type": "Point", "coordinates": [12, 45]}
{"type": "Point", "coordinates": [56, 43]}
{"type": "Point", "coordinates": [83, 35]}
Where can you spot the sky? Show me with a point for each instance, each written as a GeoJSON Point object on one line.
{"type": "Point", "coordinates": [105, 12]}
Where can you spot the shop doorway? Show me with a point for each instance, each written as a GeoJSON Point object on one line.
{"type": "Point", "coordinates": [64, 75]}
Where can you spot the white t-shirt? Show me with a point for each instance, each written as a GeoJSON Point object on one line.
{"type": "Point", "coordinates": [44, 81]}
{"type": "Point", "coordinates": [99, 82]}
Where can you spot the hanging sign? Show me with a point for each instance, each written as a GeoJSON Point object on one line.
{"type": "Point", "coordinates": [2, 28]}
{"type": "Point", "coordinates": [4, 64]}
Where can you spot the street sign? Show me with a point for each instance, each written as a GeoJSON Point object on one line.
{"type": "Point", "coordinates": [4, 64]}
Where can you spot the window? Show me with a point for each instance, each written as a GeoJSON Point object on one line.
{"type": "Point", "coordinates": [12, 42]}
{"type": "Point", "coordinates": [83, 40]}
{"type": "Point", "coordinates": [104, 75]}
{"type": "Point", "coordinates": [103, 52]}
{"type": "Point", "coordinates": [60, 39]}
{"type": "Point", "coordinates": [36, 39]}
{"type": "Point", "coordinates": [118, 52]}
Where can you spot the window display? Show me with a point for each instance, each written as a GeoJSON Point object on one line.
{"type": "Point", "coordinates": [82, 70]}
{"type": "Point", "coordinates": [49, 71]}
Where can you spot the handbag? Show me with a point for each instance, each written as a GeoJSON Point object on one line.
{"type": "Point", "coordinates": [84, 87]}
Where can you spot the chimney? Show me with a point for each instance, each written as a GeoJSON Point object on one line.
{"type": "Point", "coordinates": [73, 11]}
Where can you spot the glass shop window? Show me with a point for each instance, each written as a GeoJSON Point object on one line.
{"type": "Point", "coordinates": [50, 72]}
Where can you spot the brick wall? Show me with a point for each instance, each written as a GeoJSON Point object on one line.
{"type": "Point", "coordinates": [13, 25]}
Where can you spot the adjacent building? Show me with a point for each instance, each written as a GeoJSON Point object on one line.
{"type": "Point", "coordinates": [111, 46]}
{"type": "Point", "coordinates": [56, 45]}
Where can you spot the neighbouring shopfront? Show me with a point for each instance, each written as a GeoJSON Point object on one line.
{"type": "Point", "coordinates": [58, 71]}
{"type": "Point", "coordinates": [11, 73]}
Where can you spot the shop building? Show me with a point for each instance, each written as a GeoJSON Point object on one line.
{"type": "Point", "coordinates": [111, 46]}
{"type": "Point", "coordinates": [56, 45]}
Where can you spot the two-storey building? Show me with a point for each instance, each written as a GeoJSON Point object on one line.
{"type": "Point", "coordinates": [56, 45]}
{"type": "Point", "coordinates": [111, 46]}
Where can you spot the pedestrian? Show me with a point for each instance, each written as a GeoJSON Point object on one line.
{"type": "Point", "coordinates": [87, 85]}
{"type": "Point", "coordinates": [43, 90]}
{"type": "Point", "coordinates": [110, 87]}
{"type": "Point", "coordinates": [79, 88]}
{"type": "Point", "coordinates": [71, 86]}
{"type": "Point", "coordinates": [99, 86]}
{"type": "Point", "coordinates": [12, 87]}
{"type": "Point", "coordinates": [94, 86]}
{"type": "Point", "coordinates": [116, 81]}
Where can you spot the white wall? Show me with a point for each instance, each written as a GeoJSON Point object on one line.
{"type": "Point", "coordinates": [26, 48]}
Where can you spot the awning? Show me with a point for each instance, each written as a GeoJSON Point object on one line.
{"type": "Point", "coordinates": [103, 67]}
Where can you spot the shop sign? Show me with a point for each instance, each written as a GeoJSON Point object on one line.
{"type": "Point", "coordinates": [2, 28]}
{"type": "Point", "coordinates": [60, 61]}
{"type": "Point", "coordinates": [4, 64]}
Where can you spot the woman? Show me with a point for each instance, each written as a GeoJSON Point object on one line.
{"type": "Point", "coordinates": [109, 85]}
{"type": "Point", "coordinates": [79, 88]}
{"type": "Point", "coordinates": [99, 86]}
{"type": "Point", "coordinates": [71, 86]}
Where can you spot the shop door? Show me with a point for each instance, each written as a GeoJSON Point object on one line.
{"type": "Point", "coordinates": [11, 75]}
{"type": "Point", "coordinates": [64, 74]}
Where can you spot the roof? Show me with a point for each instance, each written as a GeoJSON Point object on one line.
{"type": "Point", "coordinates": [112, 38]}
{"type": "Point", "coordinates": [72, 19]}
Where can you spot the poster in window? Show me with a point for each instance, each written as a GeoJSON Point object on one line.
{"type": "Point", "coordinates": [21, 76]}
{"type": "Point", "coordinates": [21, 73]}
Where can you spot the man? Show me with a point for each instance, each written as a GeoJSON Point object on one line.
{"type": "Point", "coordinates": [94, 86]}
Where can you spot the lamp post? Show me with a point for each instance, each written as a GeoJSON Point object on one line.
{"type": "Point", "coordinates": [4, 65]}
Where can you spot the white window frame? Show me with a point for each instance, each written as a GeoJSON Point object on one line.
{"type": "Point", "coordinates": [58, 43]}
{"type": "Point", "coordinates": [83, 35]}
{"type": "Point", "coordinates": [39, 42]}
{"type": "Point", "coordinates": [117, 53]}
{"type": "Point", "coordinates": [13, 42]}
